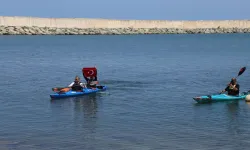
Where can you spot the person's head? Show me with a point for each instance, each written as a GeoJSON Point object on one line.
{"type": "Point", "coordinates": [233, 81]}
{"type": "Point", "coordinates": [77, 79]}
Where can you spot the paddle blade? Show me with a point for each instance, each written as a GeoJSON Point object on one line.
{"type": "Point", "coordinates": [241, 71]}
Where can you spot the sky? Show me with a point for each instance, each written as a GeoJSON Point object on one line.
{"type": "Point", "coordinates": [129, 9]}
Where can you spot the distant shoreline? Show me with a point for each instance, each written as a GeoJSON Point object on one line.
{"type": "Point", "coordinates": [85, 26]}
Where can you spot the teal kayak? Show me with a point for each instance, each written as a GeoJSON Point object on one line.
{"type": "Point", "coordinates": [77, 93]}
{"type": "Point", "coordinates": [220, 97]}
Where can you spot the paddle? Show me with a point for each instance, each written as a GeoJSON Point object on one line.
{"type": "Point", "coordinates": [242, 70]}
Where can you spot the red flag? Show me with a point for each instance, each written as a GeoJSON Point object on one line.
{"type": "Point", "coordinates": [89, 72]}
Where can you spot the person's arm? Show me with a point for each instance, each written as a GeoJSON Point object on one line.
{"type": "Point", "coordinates": [83, 85]}
{"type": "Point", "coordinates": [237, 87]}
{"type": "Point", "coordinates": [86, 78]}
{"type": "Point", "coordinates": [226, 89]}
{"type": "Point", "coordinates": [71, 84]}
{"type": "Point", "coordinates": [96, 76]}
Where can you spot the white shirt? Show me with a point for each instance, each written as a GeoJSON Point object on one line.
{"type": "Point", "coordinates": [82, 84]}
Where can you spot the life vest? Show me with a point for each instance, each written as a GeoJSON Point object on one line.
{"type": "Point", "coordinates": [232, 92]}
{"type": "Point", "coordinates": [76, 86]}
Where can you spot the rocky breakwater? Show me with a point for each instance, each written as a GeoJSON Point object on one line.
{"type": "Point", "coordinates": [26, 30]}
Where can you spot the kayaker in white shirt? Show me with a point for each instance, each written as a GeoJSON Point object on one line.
{"type": "Point", "coordinates": [77, 85]}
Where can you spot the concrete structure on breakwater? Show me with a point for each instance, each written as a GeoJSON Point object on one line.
{"type": "Point", "coordinates": [82, 26]}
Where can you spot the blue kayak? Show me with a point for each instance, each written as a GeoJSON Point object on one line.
{"type": "Point", "coordinates": [77, 93]}
{"type": "Point", "coordinates": [219, 97]}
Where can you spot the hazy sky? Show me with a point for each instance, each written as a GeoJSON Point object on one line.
{"type": "Point", "coordinates": [129, 9]}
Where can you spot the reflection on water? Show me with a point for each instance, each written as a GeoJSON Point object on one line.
{"type": "Point", "coordinates": [248, 104]}
{"type": "Point", "coordinates": [85, 113]}
{"type": "Point", "coordinates": [82, 111]}
{"type": "Point", "coordinates": [233, 108]}
{"type": "Point", "coordinates": [88, 104]}
{"type": "Point", "coordinates": [233, 123]}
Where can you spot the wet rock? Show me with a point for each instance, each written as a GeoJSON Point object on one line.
{"type": "Point", "coordinates": [23, 30]}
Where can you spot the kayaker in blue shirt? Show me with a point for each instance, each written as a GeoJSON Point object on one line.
{"type": "Point", "coordinates": [77, 85]}
{"type": "Point", "coordinates": [233, 88]}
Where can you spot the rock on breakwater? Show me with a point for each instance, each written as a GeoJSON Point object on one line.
{"type": "Point", "coordinates": [26, 30]}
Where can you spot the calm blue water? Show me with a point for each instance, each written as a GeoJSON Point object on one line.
{"type": "Point", "coordinates": [151, 79]}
